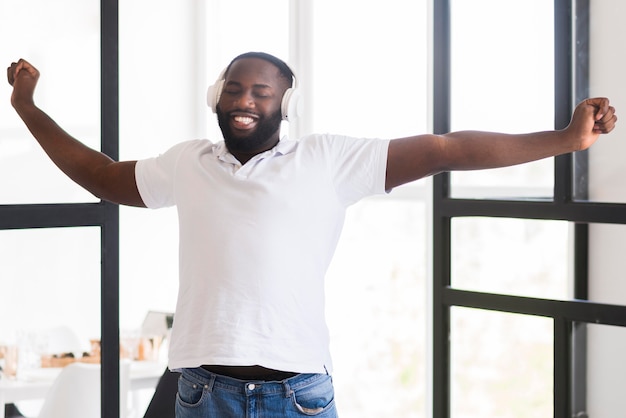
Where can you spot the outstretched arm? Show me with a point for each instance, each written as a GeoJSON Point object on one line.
{"type": "Point", "coordinates": [91, 169]}
{"type": "Point", "coordinates": [423, 155]}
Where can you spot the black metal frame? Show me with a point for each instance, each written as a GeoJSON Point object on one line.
{"type": "Point", "coordinates": [570, 317]}
{"type": "Point", "coordinates": [104, 215]}
{"type": "Point", "coordinates": [110, 356]}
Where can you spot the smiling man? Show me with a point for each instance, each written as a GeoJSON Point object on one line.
{"type": "Point", "coordinates": [259, 220]}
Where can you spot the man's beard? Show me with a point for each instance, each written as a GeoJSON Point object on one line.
{"type": "Point", "coordinates": [257, 140]}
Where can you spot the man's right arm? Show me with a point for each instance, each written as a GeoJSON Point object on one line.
{"type": "Point", "coordinates": [96, 172]}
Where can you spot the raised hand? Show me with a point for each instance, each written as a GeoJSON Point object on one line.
{"type": "Point", "coordinates": [23, 77]}
{"type": "Point", "coordinates": [591, 118]}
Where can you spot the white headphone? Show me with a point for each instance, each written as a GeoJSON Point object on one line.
{"type": "Point", "coordinates": [289, 106]}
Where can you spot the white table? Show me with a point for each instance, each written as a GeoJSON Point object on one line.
{"type": "Point", "coordinates": [34, 384]}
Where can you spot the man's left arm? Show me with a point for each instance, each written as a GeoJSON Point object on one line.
{"type": "Point", "coordinates": [419, 156]}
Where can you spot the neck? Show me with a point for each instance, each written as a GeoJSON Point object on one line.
{"type": "Point", "coordinates": [245, 156]}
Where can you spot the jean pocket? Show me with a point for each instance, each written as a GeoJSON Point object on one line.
{"type": "Point", "coordinates": [190, 393]}
{"type": "Point", "coordinates": [316, 400]}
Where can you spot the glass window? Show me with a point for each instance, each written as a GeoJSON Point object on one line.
{"type": "Point", "coordinates": [370, 80]}
{"type": "Point", "coordinates": [501, 364]}
{"type": "Point", "coordinates": [511, 256]}
{"type": "Point", "coordinates": [50, 278]}
{"type": "Point", "coordinates": [502, 80]}
{"type": "Point", "coordinates": [371, 73]}
{"type": "Point", "coordinates": [61, 39]}
{"type": "Point", "coordinates": [376, 296]}
{"type": "Point", "coordinates": [362, 87]}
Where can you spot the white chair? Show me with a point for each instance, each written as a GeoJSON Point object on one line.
{"type": "Point", "coordinates": [62, 339]}
{"type": "Point", "coordinates": [75, 392]}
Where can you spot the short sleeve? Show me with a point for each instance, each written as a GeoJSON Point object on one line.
{"type": "Point", "coordinates": [155, 177]}
{"type": "Point", "coordinates": [359, 166]}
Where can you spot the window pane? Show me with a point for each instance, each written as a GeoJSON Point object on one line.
{"type": "Point", "coordinates": [501, 365]}
{"type": "Point", "coordinates": [502, 80]}
{"type": "Point", "coordinates": [511, 256]}
{"type": "Point", "coordinates": [50, 281]}
{"type": "Point", "coordinates": [371, 79]}
{"type": "Point", "coordinates": [376, 293]}
{"type": "Point", "coordinates": [254, 32]}
{"type": "Point", "coordinates": [49, 278]}
{"type": "Point", "coordinates": [61, 39]}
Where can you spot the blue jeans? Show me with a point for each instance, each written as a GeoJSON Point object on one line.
{"type": "Point", "coordinates": [202, 394]}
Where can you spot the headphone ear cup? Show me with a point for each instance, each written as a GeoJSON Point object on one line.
{"type": "Point", "coordinates": [213, 94]}
{"type": "Point", "coordinates": [290, 105]}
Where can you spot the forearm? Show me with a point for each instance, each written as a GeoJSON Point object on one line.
{"type": "Point", "coordinates": [91, 169]}
{"type": "Point", "coordinates": [423, 155]}
{"type": "Point", "coordinates": [473, 150]}
{"type": "Point", "coordinates": [75, 159]}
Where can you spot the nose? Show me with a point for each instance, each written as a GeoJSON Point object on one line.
{"type": "Point", "coordinates": [245, 100]}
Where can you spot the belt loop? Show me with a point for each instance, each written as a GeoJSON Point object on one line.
{"type": "Point", "coordinates": [288, 390]}
{"type": "Point", "coordinates": [209, 385]}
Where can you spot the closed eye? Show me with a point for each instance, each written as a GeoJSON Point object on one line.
{"type": "Point", "coordinates": [231, 91]}
{"type": "Point", "coordinates": [259, 91]}
{"type": "Point", "coordinates": [262, 91]}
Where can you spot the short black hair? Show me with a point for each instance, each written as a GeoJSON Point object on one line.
{"type": "Point", "coordinates": [282, 66]}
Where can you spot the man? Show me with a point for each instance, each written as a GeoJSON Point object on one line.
{"type": "Point", "coordinates": [259, 219]}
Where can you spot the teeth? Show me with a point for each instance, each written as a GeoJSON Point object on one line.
{"type": "Point", "coordinates": [246, 120]}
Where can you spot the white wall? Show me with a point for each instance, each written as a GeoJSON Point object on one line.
{"type": "Point", "coordinates": [606, 367]}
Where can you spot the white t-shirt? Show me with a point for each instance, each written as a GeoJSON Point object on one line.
{"type": "Point", "coordinates": [255, 243]}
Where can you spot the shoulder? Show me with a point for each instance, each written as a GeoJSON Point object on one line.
{"type": "Point", "coordinates": [189, 148]}
{"type": "Point", "coordinates": [197, 145]}
{"type": "Point", "coordinates": [332, 141]}
{"type": "Point", "coordinates": [181, 151]}
{"type": "Point", "coordinates": [343, 144]}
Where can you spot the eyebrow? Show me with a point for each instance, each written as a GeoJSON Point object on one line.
{"type": "Point", "coordinates": [256, 86]}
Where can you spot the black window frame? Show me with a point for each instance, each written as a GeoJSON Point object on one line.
{"type": "Point", "coordinates": [104, 215]}
{"type": "Point", "coordinates": [571, 37]}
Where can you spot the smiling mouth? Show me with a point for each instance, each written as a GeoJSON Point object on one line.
{"type": "Point", "coordinates": [243, 122]}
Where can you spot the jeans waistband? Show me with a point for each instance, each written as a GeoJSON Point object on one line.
{"type": "Point", "coordinates": [249, 372]}
{"type": "Point", "coordinates": [210, 380]}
